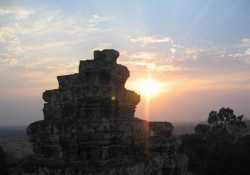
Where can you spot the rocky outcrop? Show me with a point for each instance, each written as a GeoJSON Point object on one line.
{"type": "Point", "coordinates": [89, 126]}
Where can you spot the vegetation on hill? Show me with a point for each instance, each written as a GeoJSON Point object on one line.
{"type": "Point", "coordinates": [221, 146]}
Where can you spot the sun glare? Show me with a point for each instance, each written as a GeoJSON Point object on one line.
{"type": "Point", "coordinates": [148, 87]}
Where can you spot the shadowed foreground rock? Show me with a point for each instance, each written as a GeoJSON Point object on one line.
{"type": "Point", "coordinates": [89, 127]}
{"type": "Point", "coordinates": [3, 165]}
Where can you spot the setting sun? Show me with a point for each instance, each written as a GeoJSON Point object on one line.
{"type": "Point", "coordinates": [148, 87]}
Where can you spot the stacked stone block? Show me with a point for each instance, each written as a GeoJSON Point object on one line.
{"type": "Point", "coordinates": [89, 127]}
{"type": "Point", "coordinates": [90, 117]}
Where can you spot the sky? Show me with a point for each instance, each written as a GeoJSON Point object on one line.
{"type": "Point", "coordinates": [200, 49]}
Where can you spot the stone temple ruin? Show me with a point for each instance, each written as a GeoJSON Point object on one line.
{"type": "Point", "coordinates": [89, 127]}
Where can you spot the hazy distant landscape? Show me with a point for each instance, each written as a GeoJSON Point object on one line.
{"type": "Point", "coordinates": [15, 142]}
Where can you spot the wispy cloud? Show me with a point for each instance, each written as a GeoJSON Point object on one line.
{"type": "Point", "coordinates": [172, 50]}
{"type": "Point", "coordinates": [236, 55]}
{"type": "Point", "coordinates": [143, 55]}
{"type": "Point", "coordinates": [169, 68]}
{"type": "Point", "coordinates": [193, 53]}
{"type": "Point", "coordinates": [43, 46]}
{"type": "Point", "coordinates": [29, 33]}
{"type": "Point", "coordinates": [156, 67]}
{"type": "Point", "coordinates": [96, 18]}
{"type": "Point", "coordinates": [40, 42]}
{"type": "Point", "coordinates": [247, 52]}
{"type": "Point", "coordinates": [145, 40]}
{"type": "Point", "coordinates": [245, 42]}
{"type": "Point", "coordinates": [243, 52]}
{"type": "Point", "coordinates": [17, 12]}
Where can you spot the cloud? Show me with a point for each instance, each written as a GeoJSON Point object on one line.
{"type": "Point", "coordinates": [243, 52]}
{"type": "Point", "coordinates": [98, 19]}
{"type": "Point", "coordinates": [145, 40]}
{"type": "Point", "coordinates": [245, 42]}
{"type": "Point", "coordinates": [7, 34]}
{"type": "Point", "coordinates": [169, 68]}
{"type": "Point", "coordinates": [11, 61]}
{"type": "Point", "coordinates": [46, 40]}
{"type": "Point", "coordinates": [34, 33]}
{"type": "Point", "coordinates": [39, 44]}
{"type": "Point", "coordinates": [17, 12]}
{"type": "Point", "coordinates": [193, 51]}
{"type": "Point", "coordinates": [46, 22]}
{"type": "Point", "coordinates": [247, 52]}
{"type": "Point", "coordinates": [143, 55]}
{"type": "Point", "coordinates": [236, 55]}
{"type": "Point", "coordinates": [144, 60]}
{"type": "Point", "coordinates": [42, 22]}
{"type": "Point", "coordinates": [43, 46]}
{"type": "Point", "coordinates": [173, 50]}
{"type": "Point", "coordinates": [152, 66]}
{"type": "Point", "coordinates": [9, 45]}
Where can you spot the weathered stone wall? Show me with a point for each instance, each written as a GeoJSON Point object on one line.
{"type": "Point", "coordinates": [89, 127]}
{"type": "Point", "coordinates": [90, 117]}
{"type": "Point", "coordinates": [154, 166]}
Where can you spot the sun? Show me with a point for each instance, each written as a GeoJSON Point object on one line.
{"type": "Point", "coordinates": [148, 87]}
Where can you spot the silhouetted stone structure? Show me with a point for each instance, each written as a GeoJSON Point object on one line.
{"type": "Point", "coordinates": [89, 126]}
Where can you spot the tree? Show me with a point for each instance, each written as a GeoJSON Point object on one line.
{"type": "Point", "coordinates": [213, 117]}
{"type": "Point", "coordinates": [202, 129]}
{"type": "Point", "coordinates": [226, 119]}
{"type": "Point", "coordinates": [220, 146]}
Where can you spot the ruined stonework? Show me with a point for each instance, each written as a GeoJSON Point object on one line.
{"type": "Point", "coordinates": [89, 126]}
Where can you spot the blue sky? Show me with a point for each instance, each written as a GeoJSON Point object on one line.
{"type": "Point", "coordinates": [200, 48]}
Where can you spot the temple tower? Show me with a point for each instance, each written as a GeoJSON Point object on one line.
{"type": "Point", "coordinates": [90, 117]}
